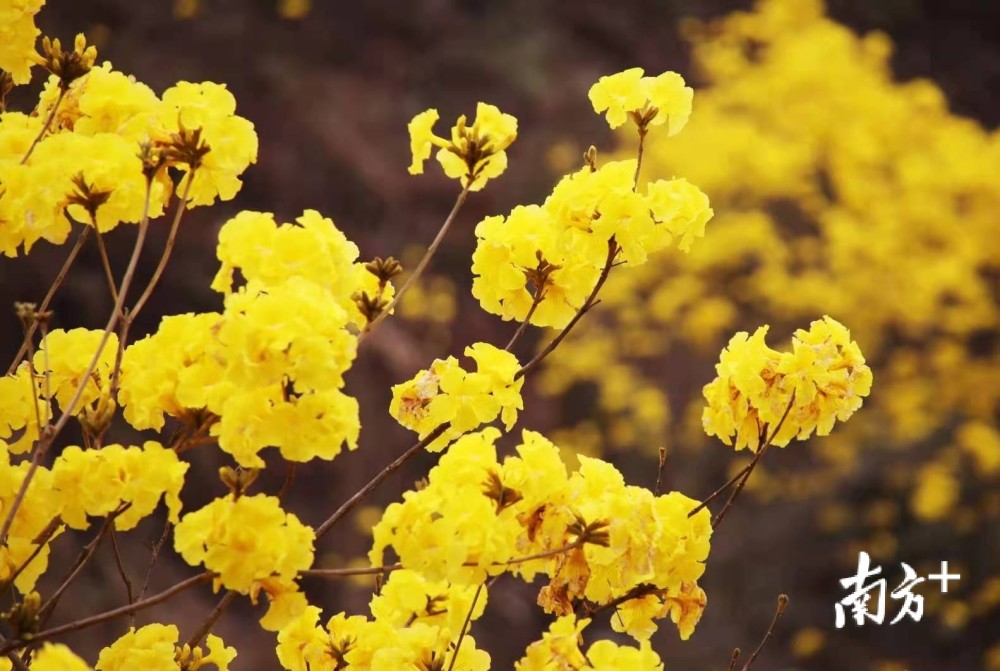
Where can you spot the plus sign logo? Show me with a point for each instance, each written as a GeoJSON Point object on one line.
{"type": "Point", "coordinates": [944, 577]}
{"type": "Point", "coordinates": [866, 600]}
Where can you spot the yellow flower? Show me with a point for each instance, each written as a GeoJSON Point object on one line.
{"type": "Point", "coordinates": [68, 355]}
{"type": "Point", "coordinates": [210, 110]}
{"type": "Point", "coordinates": [474, 154]}
{"type": "Point", "coordinates": [465, 400]}
{"type": "Point", "coordinates": [559, 647]}
{"type": "Point", "coordinates": [681, 207]}
{"type": "Point", "coordinates": [245, 541]}
{"type": "Point", "coordinates": [96, 482]}
{"type": "Point", "coordinates": [648, 101]}
{"type": "Point", "coordinates": [619, 94]}
{"type": "Point", "coordinates": [17, 37]}
{"type": "Point", "coordinates": [57, 657]}
{"type": "Point", "coordinates": [422, 139]}
{"type": "Point", "coordinates": [609, 656]}
{"type": "Point", "coordinates": [20, 395]}
{"type": "Point", "coordinates": [165, 371]}
{"type": "Point", "coordinates": [39, 508]}
{"type": "Point", "coordinates": [824, 378]}
{"type": "Point", "coordinates": [154, 648]}
{"type": "Point", "coordinates": [522, 255]}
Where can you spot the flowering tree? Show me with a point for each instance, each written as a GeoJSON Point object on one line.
{"type": "Point", "coordinates": [266, 371]}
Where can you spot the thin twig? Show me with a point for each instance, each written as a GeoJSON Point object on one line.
{"type": "Point", "coordinates": [45, 126]}
{"type": "Point", "coordinates": [153, 555]}
{"type": "Point", "coordinates": [349, 572]}
{"type": "Point", "coordinates": [389, 568]}
{"type": "Point", "coordinates": [15, 661]}
{"type": "Point", "coordinates": [782, 604]}
{"type": "Point", "coordinates": [39, 542]}
{"type": "Point", "coordinates": [105, 262]}
{"type": "Point", "coordinates": [80, 239]}
{"type": "Point", "coordinates": [45, 612]}
{"type": "Point", "coordinates": [359, 496]}
{"type": "Point", "coordinates": [465, 626]}
{"type": "Point", "coordinates": [113, 320]}
{"type": "Point", "coordinates": [718, 492]}
{"type": "Point", "coordinates": [732, 660]}
{"type": "Point", "coordinates": [639, 591]}
{"type": "Point", "coordinates": [289, 478]}
{"type": "Point", "coordinates": [168, 248]}
{"type": "Point", "coordinates": [67, 412]}
{"type": "Point", "coordinates": [142, 604]}
{"type": "Point", "coordinates": [659, 470]}
{"type": "Point", "coordinates": [123, 328]}
{"type": "Point", "coordinates": [587, 305]}
{"type": "Point", "coordinates": [536, 299]}
{"type": "Point", "coordinates": [638, 162]}
{"type": "Point", "coordinates": [428, 255]}
{"type": "Point", "coordinates": [121, 567]}
{"type": "Point", "coordinates": [213, 617]}
{"type": "Point", "coordinates": [752, 465]}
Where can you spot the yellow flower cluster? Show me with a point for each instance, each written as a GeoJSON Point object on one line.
{"type": "Point", "coordinates": [87, 162]}
{"type": "Point", "coordinates": [62, 361]}
{"type": "Point", "coordinates": [474, 155]}
{"type": "Point", "coordinates": [81, 483]}
{"type": "Point", "coordinates": [155, 648]}
{"type": "Point", "coordinates": [559, 648]}
{"type": "Point", "coordinates": [251, 544]}
{"type": "Point", "coordinates": [760, 391]}
{"type": "Point", "coordinates": [271, 366]}
{"type": "Point", "coordinates": [392, 639]}
{"type": "Point", "coordinates": [647, 101]}
{"type": "Point", "coordinates": [51, 657]}
{"type": "Point", "coordinates": [17, 37]}
{"type": "Point", "coordinates": [41, 505]}
{"type": "Point", "coordinates": [593, 536]}
{"type": "Point", "coordinates": [96, 482]}
{"type": "Point", "coordinates": [550, 257]}
{"type": "Point", "coordinates": [268, 368]}
{"type": "Point", "coordinates": [20, 396]}
{"type": "Point", "coordinates": [447, 393]}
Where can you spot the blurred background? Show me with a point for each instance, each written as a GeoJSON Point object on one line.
{"type": "Point", "coordinates": [851, 158]}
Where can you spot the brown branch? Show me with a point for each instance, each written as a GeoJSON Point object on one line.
{"type": "Point", "coordinates": [168, 248]}
{"type": "Point", "coordinates": [142, 604]}
{"type": "Point", "coordinates": [389, 568]}
{"type": "Point", "coordinates": [465, 626]}
{"type": "Point", "coordinates": [732, 660]}
{"type": "Point", "coordinates": [289, 478]}
{"type": "Point", "coordinates": [659, 471]}
{"type": "Point", "coordinates": [782, 604]}
{"type": "Point", "coordinates": [348, 572]}
{"type": "Point", "coordinates": [718, 492]}
{"type": "Point", "coordinates": [105, 261]}
{"type": "Point", "coordinates": [45, 126]}
{"type": "Point", "coordinates": [428, 255]}
{"type": "Point", "coordinates": [752, 465]}
{"type": "Point", "coordinates": [120, 565]}
{"type": "Point", "coordinates": [50, 294]}
{"type": "Point", "coordinates": [536, 299]}
{"type": "Point", "coordinates": [45, 612]}
{"type": "Point", "coordinates": [46, 439]}
{"type": "Point", "coordinates": [638, 162]}
{"type": "Point", "coordinates": [213, 617]}
{"type": "Point", "coordinates": [359, 496]}
{"type": "Point", "coordinates": [587, 305]}
{"type": "Point", "coordinates": [15, 661]}
{"type": "Point", "coordinates": [39, 542]}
